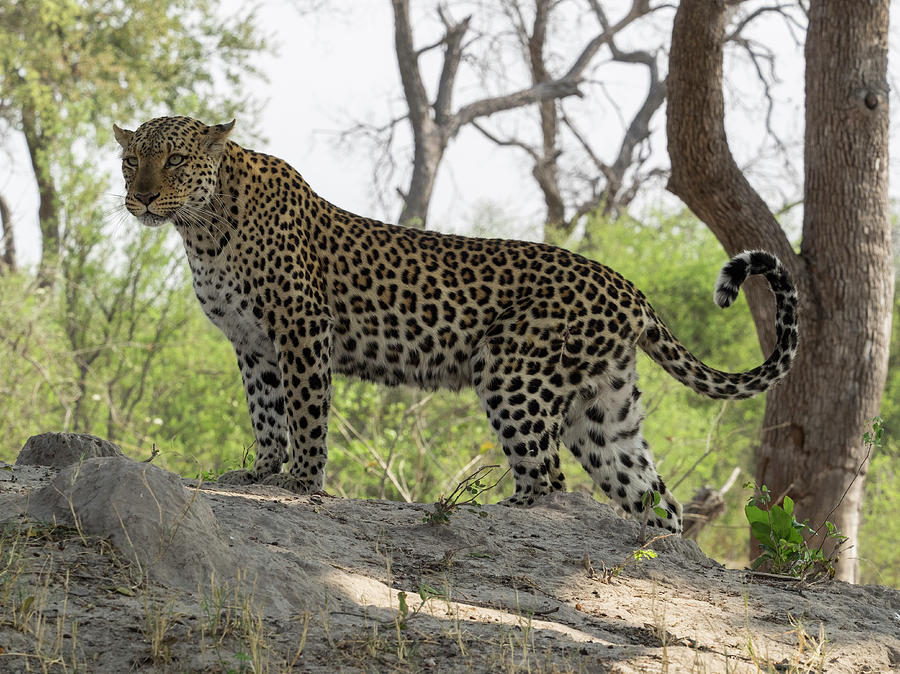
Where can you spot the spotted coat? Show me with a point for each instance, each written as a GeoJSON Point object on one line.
{"type": "Point", "coordinates": [304, 289]}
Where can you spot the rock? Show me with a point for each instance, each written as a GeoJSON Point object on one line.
{"type": "Point", "coordinates": [169, 531]}
{"type": "Point", "coordinates": [59, 450]}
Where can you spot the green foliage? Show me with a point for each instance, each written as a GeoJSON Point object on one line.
{"type": "Point", "coordinates": [78, 65]}
{"type": "Point", "coordinates": [650, 499]}
{"type": "Point", "coordinates": [70, 68]}
{"type": "Point", "coordinates": [642, 554]}
{"type": "Point", "coordinates": [874, 438]}
{"type": "Point", "coordinates": [130, 359]}
{"type": "Point", "coordinates": [465, 494]}
{"type": "Point", "coordinates": [880, 561]}
{"type": "Point", "coordinates": [879, 558]}
{"type": "Point", "coordinates": [402, 443]}
{"type": "Point", "coordinates": [781, 537]}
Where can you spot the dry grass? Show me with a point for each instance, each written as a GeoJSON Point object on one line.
{"type": "Point", "coordinates": [35, 598]}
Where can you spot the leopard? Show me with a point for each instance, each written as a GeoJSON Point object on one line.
{"type": "Point", "coordinates": [304, 290]}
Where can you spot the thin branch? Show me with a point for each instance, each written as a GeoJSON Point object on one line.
{"type": "Point", "coordinates": [560, 88]}
{"type": "Point", "coordinates": [347, 428]}
{"type": "Point", "coordinates": [506, 142]}
{"type": "Point", "coordinates": [752, 16]}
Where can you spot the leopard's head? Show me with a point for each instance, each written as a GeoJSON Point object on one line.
{"type": "Point", "coordinates": [171, 166]}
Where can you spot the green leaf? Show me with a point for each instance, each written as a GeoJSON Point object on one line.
{"type": "Point", "coordinates": [756, 515]}
{"type": "Point", "coordinates": [788, 505]}
{"type": "Point", "coordinates": [29, 600]}
{"type": "Point", "coordinates": [782, 523]}
{"type": "Point", "coordinates": [762, 533]}
{"type": "Point", "coordinates": [427, 592]}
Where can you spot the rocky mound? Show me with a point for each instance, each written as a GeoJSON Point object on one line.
{"type": "Point", "coordinates": [110, 564]}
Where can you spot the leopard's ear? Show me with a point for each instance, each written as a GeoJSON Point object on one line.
{"type": "Point", "coordinates": [123, 136]}
{"type": "Point", "coordinates": [216, 137]}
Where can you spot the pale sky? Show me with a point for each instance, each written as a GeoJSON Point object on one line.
{"type": "Point", "coordinates": [337, 66]}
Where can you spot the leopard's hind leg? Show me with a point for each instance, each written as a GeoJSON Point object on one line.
{"type": "Point", "coordinates": [525, 401]}
{"type": "Point", "coordinates": [603, 431]}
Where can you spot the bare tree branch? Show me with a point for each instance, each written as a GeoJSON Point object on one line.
{"type": "Point", "coordinates": [560, 88]}
{"type": "Point", "coordinates": [505, 142]}
{"type": "Point", "coordinates": [452, 55]}
{"type": "Point", "coordinates": [434, 126]}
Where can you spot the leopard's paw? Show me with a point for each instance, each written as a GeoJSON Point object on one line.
{"type": "Point", "coordinates": [286, 481]}
{"type": "Point", "coordinates": [240, 476]}
{"type": "Point", "coordinates": [518, 501]}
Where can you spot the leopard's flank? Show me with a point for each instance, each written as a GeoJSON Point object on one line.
{"type": "Point", "coordinates": [304, 289]}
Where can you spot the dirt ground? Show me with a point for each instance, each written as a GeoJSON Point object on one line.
{"type": "Point", "coordinates": [114, 565]}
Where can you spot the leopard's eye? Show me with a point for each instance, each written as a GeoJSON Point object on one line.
{"type": "Point", "coordinates": [130, 161]}
{"type": "Point", "coordinates": [175, 160]}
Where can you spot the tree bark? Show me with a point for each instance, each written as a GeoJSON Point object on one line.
{"type": "Point", "coordinates": [48, 210]}
{"type": "Point", "coordinates": [546, 169]}
{"type": "Point", "coordinates": [811, 444]}
{"type": "Point", "coordinates": [7, 242]}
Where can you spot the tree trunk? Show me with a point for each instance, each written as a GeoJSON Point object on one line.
{"type": "Point", "coordinates": [7, 242]}
{"type": "Point", "coordinates": [48, 210]}
{"type": "Point", "coordinates": [811, 445]}
{"type": "Point", "coordinates": [429, 151]}
{"type": "Point", "coordinates": [546, 170]}
{"type": "Point", "coordinates": [847, 246]}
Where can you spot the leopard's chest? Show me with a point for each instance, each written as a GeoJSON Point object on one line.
{"type": "Point", "coordinates": [221, 292]}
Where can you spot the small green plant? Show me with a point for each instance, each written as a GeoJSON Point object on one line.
{"type": "Point", "coordinates": [426, 592]}
{"type": "Point", "coordinates": [465, 494]}
{"type": "Point", "coordinates": [245, 663]}
{"type": "Point", "coordinates": [781, 537]}
{"type": "Point", "coordinates": [636, 556]}
{"type": "Point", "coordinates": [650, 502]}
{"type": "Point", "coordinates": [248, 458]}
{"type": "Point", "coordinates": [641, 554]}
{"type": "Point", "coordinates": [873, 439]}
{"type": "Point", "coordinates": [231, 613]}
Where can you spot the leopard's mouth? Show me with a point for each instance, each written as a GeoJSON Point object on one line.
{"type": "Point", "coordinates": [149, 219]}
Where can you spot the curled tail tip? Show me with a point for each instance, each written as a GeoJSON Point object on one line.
{"type": "Point", "coordinates": [736, 271]}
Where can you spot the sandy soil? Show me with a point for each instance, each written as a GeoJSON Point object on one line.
{"type": "Point", "coordinates": [134, 569]}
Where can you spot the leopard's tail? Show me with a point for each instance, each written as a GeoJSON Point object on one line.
{"type": "Point", "coordinates": [665, 349]}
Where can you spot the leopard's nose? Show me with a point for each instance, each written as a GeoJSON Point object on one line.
{"type": "Point", "coordinates": [146, 198]}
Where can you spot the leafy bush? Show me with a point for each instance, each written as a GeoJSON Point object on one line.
{"type": "Point", "coordinates": [781, 536]}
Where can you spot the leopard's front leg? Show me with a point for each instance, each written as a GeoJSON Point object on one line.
{"type": "Point", "coordinates": [261, 374]}
{"type": "Point", "coordinates": [304, 357]}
